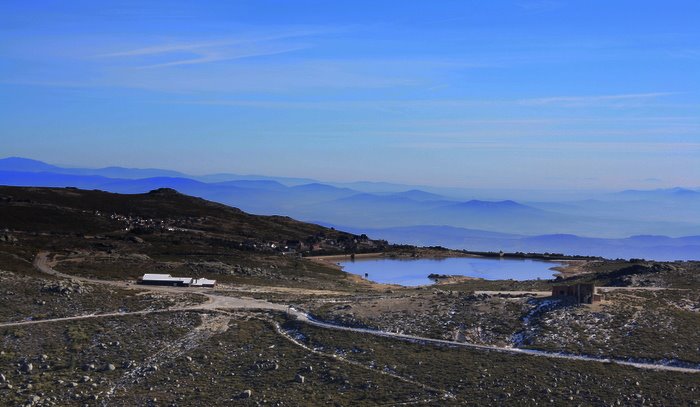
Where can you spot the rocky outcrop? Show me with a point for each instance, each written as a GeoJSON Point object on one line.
{"type": "Point", "coordinates": [64, 288]}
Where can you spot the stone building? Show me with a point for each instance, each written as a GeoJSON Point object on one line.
{"type": "Point", "coordinates": [583, 293]}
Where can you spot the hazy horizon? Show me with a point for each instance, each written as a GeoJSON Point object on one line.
{"type": "Point", "coordinates": [515, 195]}
{"type": "Point", "coordinates": [657, 223]}
{"type": "Point", "coordinates": [508, 94]}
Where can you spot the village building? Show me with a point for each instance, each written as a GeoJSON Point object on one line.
{"type": "Point", "coordinates": [582, 293]}
{"type": "Point", "coordinates": [168, 280]}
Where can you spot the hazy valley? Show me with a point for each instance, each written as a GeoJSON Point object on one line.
{"type": "Point", "coordinates": [654, 224]}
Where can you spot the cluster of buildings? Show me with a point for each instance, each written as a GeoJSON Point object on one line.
{"type": "Point", "coordinates": [318, 243]}
{"type": "Point", "coordinates": [168, 280]}
{"type": "Point", "coordinates": [315, 245]}
{"type": "Point", "coordinates": [137, 222]}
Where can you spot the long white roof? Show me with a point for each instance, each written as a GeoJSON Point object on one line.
{"type": "Point", "coordinates": [156, 276]}
{"type": "Point", "coordinates": [165, 277]}
{"type": "Point", "coordinates": [202, 281]}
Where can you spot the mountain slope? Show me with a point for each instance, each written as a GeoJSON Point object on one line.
{"type": "Point", "coordinates": [28, 165]}
{"type": "Point", "coordinates": [677, 213]}
{"type": "Point", "coordinates": [25, 164]}
{"type": "Point", "coordinates": [45, 209]}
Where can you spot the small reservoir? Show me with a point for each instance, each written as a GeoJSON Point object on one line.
{"type": "Point", "coordinates": [413, 272]}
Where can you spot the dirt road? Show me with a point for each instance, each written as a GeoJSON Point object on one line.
{"type": "Point", "coordinates": [41, 262]}
{"type": "Point", "coordinates": [220, 302]}
{"type": "Point", "coordinates": [520, 351]}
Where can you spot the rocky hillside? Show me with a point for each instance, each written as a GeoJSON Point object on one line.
{"type": "Point", "coordinates": [74, 211]}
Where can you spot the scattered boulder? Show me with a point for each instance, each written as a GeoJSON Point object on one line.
{"type": "Point", "coordinates": [135, 239]}
{"type": "Point", "coordinates": [266, 365]}
{"type": "Point", "coordinates": [246, 394]}
{"type": "Point", "coordinates": [8, 238]}
{"type": "Point", "coordinates": [64, 287]}
{"type": "Point", "coordinates": [299, 378]}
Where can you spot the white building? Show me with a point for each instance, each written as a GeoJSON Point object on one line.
{"type": "Point", "coordinates": [203, 282]}
{"type": "Point", "coordinates": [167, 279]}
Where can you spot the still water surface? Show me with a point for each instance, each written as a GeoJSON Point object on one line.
{"type": "Point", "coordinates": [411, 272]}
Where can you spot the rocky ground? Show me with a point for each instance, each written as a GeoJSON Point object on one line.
{"type": "Point", "coordinates": [134, 345]}
{"type": "Point", "coordinates": [432, 312]}
{"type": "Point", "coordinates": [262, 358]}
{"type": "Point", "coordinates": [26, 298]}
{"type": "Point", "coordinates": [628, 324]}
{"type": "Point", "coordinates": [635, 324]}
{"type": "Point", "coordinates": [493, 378]}
{"type": "Point", "coordinates": [188, 358]}
{"type": "Point", "coordinates": [228, 268]}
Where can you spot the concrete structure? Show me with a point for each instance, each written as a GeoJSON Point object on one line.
{"type": "Point", "coordinates": [202, 282]}
{"type": "Point", "coordinates": [167, 279]}
{"type": "Point", "coordinates": [583, 293]}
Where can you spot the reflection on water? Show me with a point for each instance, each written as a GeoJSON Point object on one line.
{"type": "Point", "coordinates": [412, 272]}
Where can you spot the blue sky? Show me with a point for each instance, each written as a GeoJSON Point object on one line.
{"type": "Point", "coordinates": [526, 93]}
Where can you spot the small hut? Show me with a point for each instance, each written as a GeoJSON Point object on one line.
{"type": "Point", "coordinates": [583, 293]}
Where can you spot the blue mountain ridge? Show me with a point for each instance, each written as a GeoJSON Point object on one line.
{"type": "Point", "coordinates": [477, 224]}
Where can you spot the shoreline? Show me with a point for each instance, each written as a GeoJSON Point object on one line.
{"type": "Point", "coordinates": [333, 259]}
{"type": "Point", "coordinates": [571, 268]}
{"type": "Point", "coordinates": [565, 269]}
{"type": "Point", "coordinates": [329, 261]}
{"type": "Point", "coordinates": [345, 257]}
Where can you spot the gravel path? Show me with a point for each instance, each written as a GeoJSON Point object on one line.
{"type": "Point", "coordinates": [220, 302]}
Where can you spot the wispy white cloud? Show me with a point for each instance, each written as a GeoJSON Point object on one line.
{"type": "Point", "coordinates": [207, 57]}
{"type": "Point", "coordinates": [224, 79]}
{"type": "Point", "coordinates": [214, 50]}
{"type": "Point", "coordinates": [594, 100]}
{"type": "Point", "coordinates": [167, 48]}
{"type": "Point", "coordinates": [180, 46]}
{"type": "Point", "coordinates": [543, 147]}
{"type": "Point", "coordinates": [619, 100]}
{"type": "Point", "coordinates": [686, 53]}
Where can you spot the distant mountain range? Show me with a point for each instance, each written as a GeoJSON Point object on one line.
{"type": "Point", "coordinates": [661, 248]}
{"type": "Point", "coordinates": [410, 214]}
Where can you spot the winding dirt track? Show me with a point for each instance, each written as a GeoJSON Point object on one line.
{"type": "Point", "coordinates": [221, 302]}
{"type": "Point", "coordinates": [41, 262]}
{"type": "Point", "coordinates": [519, 351]}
